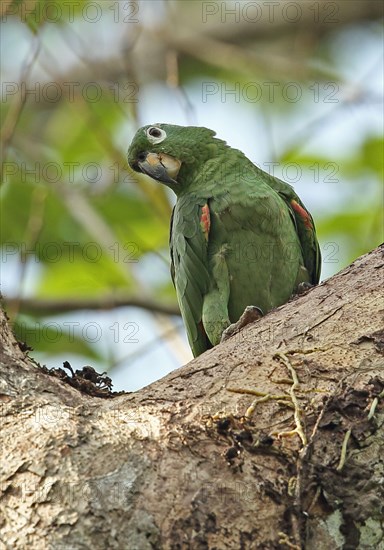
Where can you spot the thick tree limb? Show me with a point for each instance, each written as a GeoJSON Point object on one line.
{"type": "Point", "coordinates": [176, 466]}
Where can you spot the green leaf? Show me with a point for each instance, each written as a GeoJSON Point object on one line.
{"type": "Point", "coordinates": [358, 231]}
{"type": "Point", "coordinates": [89, 273]}
{"type": "Point", "coordinates": [134, 221]}
{"type": "Point", "coordinates": [372, 155]}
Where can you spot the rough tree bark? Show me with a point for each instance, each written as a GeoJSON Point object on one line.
{"type": "Point", "coordinates": [180, 464]}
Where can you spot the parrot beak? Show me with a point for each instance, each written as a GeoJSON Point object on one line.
{"type": "Point", "coordinates": [159, 166]}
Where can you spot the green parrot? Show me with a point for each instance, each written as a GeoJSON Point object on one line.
{"type": "Point", "coordinates": [239, 237]}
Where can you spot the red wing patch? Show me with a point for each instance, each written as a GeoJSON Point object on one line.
{"type": "Point", "coordinates": [205, 220]}
{"type": "Point", "coordinates": [303, 214]}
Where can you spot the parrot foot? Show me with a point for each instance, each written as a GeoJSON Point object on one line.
{"type": "Point", "coordinates": [251, 314]}
{"type": "Point", "coordinates": [303, 287]}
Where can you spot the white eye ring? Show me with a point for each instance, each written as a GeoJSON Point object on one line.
{"type": "Point", "coordinates": [155, 134]}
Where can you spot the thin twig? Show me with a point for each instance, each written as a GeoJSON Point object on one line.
{"type": "Point", "coordinates": [299, 427]}
{"type": "Point", "coordinates": [374, 404]}
{"type": "Point", "coordinates": [17, 105]}
{"type": "Point", "coordinates": [49, 306]}
{"type": "Point", "coordinates": [344, 446]}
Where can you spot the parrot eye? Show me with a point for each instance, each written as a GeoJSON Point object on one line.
{"type": "Point", "coordinates": [155, 135]}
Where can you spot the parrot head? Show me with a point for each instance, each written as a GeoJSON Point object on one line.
{"type": "Point", "coordinates": [169, 153]}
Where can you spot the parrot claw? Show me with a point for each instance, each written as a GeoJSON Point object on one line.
{"type": "Point", "coordinates": [303, 287]}
{"type": "Point", "coordinates": [251, 314]}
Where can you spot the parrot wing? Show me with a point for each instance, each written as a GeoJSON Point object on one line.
{"type": "Point", "coordinates": [304, 224]}
{"type": "Point", "coordinates": [188, 244]}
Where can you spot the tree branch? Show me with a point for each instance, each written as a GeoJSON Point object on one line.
{"type": "Point", "coordinates": [16, 108]}
{"type": "Point", "coordinates": [177, 465]}
{"type": "Point", "coordinates": [47, 306]}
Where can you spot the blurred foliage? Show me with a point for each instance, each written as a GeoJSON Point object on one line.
{"type": "Point", "coordinates": [75, 221]}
